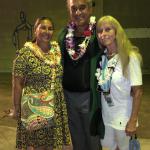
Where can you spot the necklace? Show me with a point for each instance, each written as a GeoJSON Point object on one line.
{"type": "Point", "coordinates": [70, 43]}
{"type": "Point", "coordinates": [111, 55]}
{"type": "Point", "coordinates": [54, 53]}
{"type": "Point", "coordinates": [53, 59]}
{"type": "Point", "coordinates": [104, 72]}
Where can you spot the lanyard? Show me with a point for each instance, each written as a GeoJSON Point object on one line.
{"type": "Point", "coordinates": [106, 73]}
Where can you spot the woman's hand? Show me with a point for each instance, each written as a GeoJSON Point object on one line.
{"type": "Point", "coordinates": [67, 147]}
{"type": "Point", "coordinates": [18, 84]}
{"type": "Point", "coordinates": [131, 128]}
{"type": "Point", "coordinates": [10, 113]}
{"type": "Point", "coordinates": [131, 125]}
{"type": "Point", "coordinates": [13, 114]}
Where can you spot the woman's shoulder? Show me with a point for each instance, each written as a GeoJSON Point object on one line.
{"type": "Point", "coordinates": [55, 48]}
{"type": "Point", "coordinates": [135, 58]}
{"type": "Point", "coordinates": [135, 55]}
{"type": "Point", "coordinates": [23, 50]}
{"type": "Point", "coordinates": [54, 44]}
{"type": "Point", "coordinates": [55, 51]}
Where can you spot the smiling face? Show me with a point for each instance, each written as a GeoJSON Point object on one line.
{"type": "Point", "coordinates": [80, 11]}
{"type": "Point", "coordinates": [106, 34]}
{"type": "Point", "coordinates": [44, 31]}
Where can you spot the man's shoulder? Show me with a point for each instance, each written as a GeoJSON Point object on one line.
{"type": "Point", "coordinates": [62, 31]}
{"type": "Point", "coordinates": [61, 34]}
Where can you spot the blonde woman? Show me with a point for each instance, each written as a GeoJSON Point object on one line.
{"type": "Point", "coordinates": [119, 80]}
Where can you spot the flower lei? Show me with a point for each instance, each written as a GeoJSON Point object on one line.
{"type": "Point", "coordinates": [54, 53]}
{"type": "Point", "coordinates": [53, 60]}
{"type": "Point", "coordinates": [70, 44]}
{"type": "Point", "coordinates": [104, 72]}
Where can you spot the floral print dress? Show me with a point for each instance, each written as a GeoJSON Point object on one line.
{"type": "Point", "coordinates": [43, 118]}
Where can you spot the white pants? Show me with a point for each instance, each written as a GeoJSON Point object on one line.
{"type": "Point", "coordinates": [114, 138]}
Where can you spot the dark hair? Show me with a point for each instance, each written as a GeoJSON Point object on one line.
{"type": "Point", "coordinates": [40, 19]}
{"type": "Point", "coordinates": [90, 2]}
{"type": "Point", "coordinates": [93, 4]}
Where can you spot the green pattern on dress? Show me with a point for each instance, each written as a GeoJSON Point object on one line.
{"type": "Point", "coordinates": [38, 79]}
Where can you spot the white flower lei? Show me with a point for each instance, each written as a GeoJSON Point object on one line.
{"type": "Point", "coordinates": [54, 52]}
{"type": "Point", "coordinates": [104, 75]}
{"type": "Point", "coordinates": [53, 59]}
{"type": "Point", "coordinates": [70, 45]}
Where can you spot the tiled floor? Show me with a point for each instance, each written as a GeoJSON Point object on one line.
{"type": "Point", "coordinates": [145, 144]}
{"type": "Point", "coordinates": [7, 125]}
{"type": "Point", "coordinates": [7, 139]}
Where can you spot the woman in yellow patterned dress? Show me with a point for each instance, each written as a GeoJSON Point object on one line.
{"type": "Point", "coordinates": [39, 105]}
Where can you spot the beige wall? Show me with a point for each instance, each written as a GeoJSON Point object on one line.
{"type": "Point", "coordinates": [9, 14]}
{"type": "Point", "coordinates": [131, 14]}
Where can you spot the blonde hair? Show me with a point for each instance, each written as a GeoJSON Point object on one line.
{"type": "Point", "coordinates": [124, 45]}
